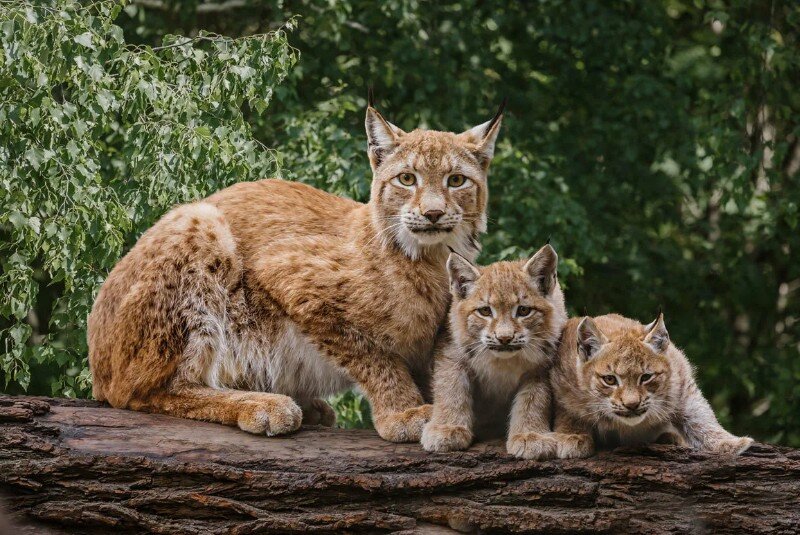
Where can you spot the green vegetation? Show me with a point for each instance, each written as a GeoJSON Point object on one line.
{"type": "Point", "coordinates": [656, 142]}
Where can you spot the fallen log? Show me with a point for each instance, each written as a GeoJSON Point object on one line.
{"type": "Point", "coordinates": [79, 466]}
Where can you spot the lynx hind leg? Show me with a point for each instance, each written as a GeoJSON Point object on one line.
{"type": "Point", "coordinates": [255, 412]}
{"type": "Point", "coordinates": [318, 412]}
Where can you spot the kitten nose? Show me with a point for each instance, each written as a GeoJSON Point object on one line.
{"type": "Point", "coordinates": [433, 215]}
{"type": "Point", "coordinates": [631, 405]}
{"type": "Point", "coordinates": [505, 340]}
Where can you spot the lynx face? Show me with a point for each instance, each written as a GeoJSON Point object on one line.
{"type": "Point", "coordinates": [629, 377]}
{"type": "Point", "coordinates": [430, 187]}
{"type": "Point", "coordinates": [508, 308]}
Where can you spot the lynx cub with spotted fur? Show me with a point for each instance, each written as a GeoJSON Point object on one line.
{"type": "Point", "coordinates": [617, 382]}
{"type": "Point", "coordinates": [248, 307]}
{"type": "Point", "coordinates": [505, 321]}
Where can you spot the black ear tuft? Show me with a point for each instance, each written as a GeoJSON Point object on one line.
{"type": "Point", "coordinates": [498, 115]}
{"type": "Point", "coordinates": [370, 96]}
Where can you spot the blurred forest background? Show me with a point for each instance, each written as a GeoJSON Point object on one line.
{"type": "Point", "coordinates": [658, 143]}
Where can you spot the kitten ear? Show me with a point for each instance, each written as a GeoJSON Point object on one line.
{"type": "Point", "coordinates": [590, 339]}
{"type": "Point", "coordinates": [462, 275]}
{"type": "Point", "coordinates": [657, 336]}
{"type": "Point", "coordinates": [382, 137]}
{"type": "Point", "coordinates": [484, 136]}
{"type": "Point", "coordinates": [542, 268]}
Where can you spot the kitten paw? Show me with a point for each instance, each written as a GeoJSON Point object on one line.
{"type": "Point", "coordinates": [441, 438]}
{"type": "Point", "coordinates": [536, 446]}
{"type": "Point", "coordinates": [276, 415]}
{"type": "Point", "coordinates": [670, 437]}
{"type": "Point", "coordinates": [570, 446]}
{"type": "Point", "coordinates": [318, 412]}
{"type": "Point", "coordinates": [731, 446]}
{"type": "Point", "coordinates": [405, 426]}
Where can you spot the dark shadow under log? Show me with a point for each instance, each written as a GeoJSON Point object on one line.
{"type": "Point", "coordinates": [78, 466]}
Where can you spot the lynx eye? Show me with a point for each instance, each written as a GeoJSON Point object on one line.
{"type": "Point", "coordinates": [456, 181]}
{"type": "Point", "coordinates": [486, 312]}
{"type": "Point", "coordinates": [406, 179]}
{"type": "Point", "coordinates": [610, 380]}
{"type": "Point", "coordinates": [524, 312]}
{"type": "Point", "coordinates": [645, 378]}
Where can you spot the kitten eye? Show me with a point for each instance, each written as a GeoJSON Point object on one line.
{"type": "Point", "coordinates": [610, 380]}
{"type": "Point", "coordinates": [486, 312]}
{"type": "Point", "coordinates": [645, 378]}
{"type": "Point", "coordinates": [456, 181]}
{"type": "Point", "coordinates": [406, 179]}
{"type": "Point", "coordinates": [524, 312]}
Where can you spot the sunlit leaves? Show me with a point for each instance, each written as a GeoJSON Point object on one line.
{"type": "Point", "coordinates": [99, 139]}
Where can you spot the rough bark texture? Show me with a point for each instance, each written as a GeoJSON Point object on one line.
{"type": "Point", "coordinates": [77, 466]}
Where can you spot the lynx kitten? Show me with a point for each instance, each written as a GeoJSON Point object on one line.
{"type": "Point", "coordinates": [504, 324]}
{"type": "Point", "coordinates": [617, 382]}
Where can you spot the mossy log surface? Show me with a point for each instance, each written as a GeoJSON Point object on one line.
{"type": "Point", "coordinates": [73, 466]}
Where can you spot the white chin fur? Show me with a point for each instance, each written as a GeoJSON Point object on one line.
{"type": "Point", "coordinates": [430, 238]}
{"type": "Point", "coordinates": [414, 243]}
{"type": "Point", "coordinates": [631, 421]}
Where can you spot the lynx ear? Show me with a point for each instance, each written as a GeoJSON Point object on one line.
{"type": "Point", "coordinates": [484, 136]}
{"type": "Point", "coordinates": [657, 336]}
{"type": "Point", "coordinates": [590, 339]}
{"type": "Point", "coordinates": [542, 269]}
{"type": "Point", "coordinates": [462, 275]}
{"type": "Point", "coordinates": [382, 137]}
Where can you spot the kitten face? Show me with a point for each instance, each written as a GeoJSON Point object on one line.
{"type": "Point", "coordinates": [627, 377]}
{"type": "Point", "coordinates": [429, 188]}
{"type": "Point", "coordinates": [508, 308]}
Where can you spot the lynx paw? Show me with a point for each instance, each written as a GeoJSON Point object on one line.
{"type": "Point", "coordinates": [569, 446]}
{"type": "Point", "coordinates": [536, 446]}
{"type": "Point", "coordinates": [440, 438]}
{"type": "Point", "coordinates": [671, 437]}
{"type": "Point", "coordinates": [731, 446]}
{"type": "Point", "coordinates": [318, 412]}
{"type": "Point", "coordinates": [277, 415]}
{"type": "Point", "coordinates": [403, 426]}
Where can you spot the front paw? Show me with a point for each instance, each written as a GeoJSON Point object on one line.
{"type": "Point", "coordinates": [535, 446]}
{"type": "Point", "coordinates": [671, 437]}
{"type": "Point", "coordinates": [405, 426]}
{"type": "Point", "coordinates": [731, 446]}
{"type": "Point", "coordinates": [274, 415]}
{"type": "Point", "coordinates": [572, 446]}
{"type": "Point", "coordinates": [318, 412]}
{"type": "Point", "coordinates": [441, 438]}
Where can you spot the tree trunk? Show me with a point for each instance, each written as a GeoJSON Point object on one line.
{"type": "Point", "coordinates": [71, 465]}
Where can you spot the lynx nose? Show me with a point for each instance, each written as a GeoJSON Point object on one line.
{"type": "Point", "coordinates": [506, 339]}
{"type": "Point", "coordinates": [631, 405]}
{"type": "Point", "coordinates": [433, 215]}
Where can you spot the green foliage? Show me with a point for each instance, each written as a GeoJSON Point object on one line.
{"type": "Point", "coordinates": [657, 142]}
{"type": "Point", "coordinates": [352, 410]}
{"type": "Point", "coordinates": [100, 138]}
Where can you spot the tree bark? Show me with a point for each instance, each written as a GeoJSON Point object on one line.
{"type": "Point", "coordinates": [79, 466]}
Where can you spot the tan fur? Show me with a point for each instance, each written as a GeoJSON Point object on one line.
{"type": "Point", "coordinates": [494, 370]}
{"type": "Point", "coordinates": [248, 307]}
{"type": "Point", "coordinates": [667, 408]}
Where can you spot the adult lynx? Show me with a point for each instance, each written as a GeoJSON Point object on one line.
{"type": "Point", "coordinates": [249, 306]}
